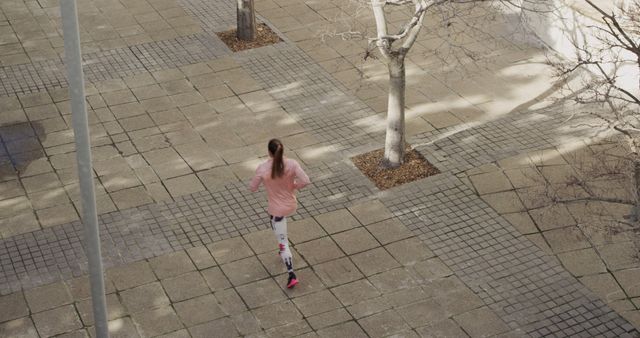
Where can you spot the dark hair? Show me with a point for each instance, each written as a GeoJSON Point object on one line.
{"type": "Point", "coordinates": [276, 149]}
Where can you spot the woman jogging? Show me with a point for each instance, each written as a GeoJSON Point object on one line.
{"type": "Point", "coordinates": [281, 177]}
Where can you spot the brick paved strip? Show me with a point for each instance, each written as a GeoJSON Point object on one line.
{"type": "Point", "coordinates": [467, 146]}
{"type": "Point", "coordinates": [214, 16]}
{"type": "Point", "coordinates": [528, 289]}
{"type": "Point", "coordinates": [168, 54]}
{"type": "Point", "coordinates": [56, 253]}
{"type": "Point", "coordinates": [113, 64]}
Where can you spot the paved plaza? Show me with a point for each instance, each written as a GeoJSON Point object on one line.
{"type": "Point", "coordinates": [178, 125]}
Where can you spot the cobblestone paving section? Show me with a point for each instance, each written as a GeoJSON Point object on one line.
{"type": "Point", "coordinates": [121, 62]}
{"type": "Point", "coordinates": [32, 77]}
{"type": "Point", "coordinates": [115, 63]}
{"type": "Point", "coordinates": [214, 16]}
{"type": "Point", "coordinates": [466, 146]}
{"type": "Point", "coordinates": [56, 253]}
{"type": "Point", "coordinates": [178, 52]}
{"type": "Point", "coordinates": [528, 289]}
{"type": "Point", "coordinates": [309, 93]}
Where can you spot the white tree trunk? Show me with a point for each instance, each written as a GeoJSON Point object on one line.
{"type": "Point", "coordinates": [246, 20]}
{"type": "Point", "coordinates": [395, 138]}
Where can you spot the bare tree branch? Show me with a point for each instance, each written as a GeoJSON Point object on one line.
{"type": "Point", "coordinates": [611, 17]}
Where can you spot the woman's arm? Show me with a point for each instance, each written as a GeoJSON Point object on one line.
{"type": "Point", "coordinates": [301, 180]}
{"type": "Point", "coordinates": [255, 181]}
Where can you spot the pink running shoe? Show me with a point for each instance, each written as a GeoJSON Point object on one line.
{"type": "Point", "coordinates": [292, 281]}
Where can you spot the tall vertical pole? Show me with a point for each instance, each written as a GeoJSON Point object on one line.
{"type": "Point", "coordinates": [73, 59]}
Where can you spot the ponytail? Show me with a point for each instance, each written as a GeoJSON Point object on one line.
{"type": "Point", "coordinates": [276, 149]}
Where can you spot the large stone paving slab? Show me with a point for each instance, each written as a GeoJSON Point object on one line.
{"type": "Point", "coordinates": [113, 64]}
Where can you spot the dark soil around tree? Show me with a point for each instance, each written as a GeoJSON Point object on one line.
{"type": "Point", "coordinates": [264, 37]}
{"type": "Point", "coordinates": [414, 168]}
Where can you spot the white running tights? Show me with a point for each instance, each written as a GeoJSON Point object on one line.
{"type": "Point", "coordinates": [279, 226]}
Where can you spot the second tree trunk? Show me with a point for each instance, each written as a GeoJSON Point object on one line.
{"type": "Point", "coordinates": [246, 17]}
{"type": "Point", "coordinates": [395, 138]}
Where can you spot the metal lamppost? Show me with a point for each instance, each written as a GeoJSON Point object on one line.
{"type": "Point", "coordinates": [73, 58]}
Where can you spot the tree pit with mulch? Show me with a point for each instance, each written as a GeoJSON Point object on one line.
{"type": "Point", "coordinates": [415, 167]}
{"type": "Point", "coordinates": [264, 37]}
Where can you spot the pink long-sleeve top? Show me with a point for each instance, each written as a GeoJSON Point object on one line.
{"type": "Point", "coordinates": [281, 191]}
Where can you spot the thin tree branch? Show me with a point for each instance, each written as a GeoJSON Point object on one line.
{"type": "Point", "coordinates": [421, 9]}
{"type": "Point", "coordinates": [619, 28]}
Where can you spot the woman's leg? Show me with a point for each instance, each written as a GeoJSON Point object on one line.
{"type": "Point", "coordinates": [279, 226]}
